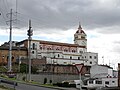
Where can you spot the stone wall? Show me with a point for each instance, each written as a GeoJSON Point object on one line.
{"type": "Point", "coordinates": [54, 77]}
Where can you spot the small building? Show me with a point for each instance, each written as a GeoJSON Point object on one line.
{"type": "Point", "coordinates": [18, 53]}
{"type": "Point", "coordinates": [101, 71]}
{"type": "Point", "coordinates": [95, 83]}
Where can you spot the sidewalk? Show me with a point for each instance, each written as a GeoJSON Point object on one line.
{"type": "Point", "coordinates": [53, 87]}
{"type": "Point", "coordinates": [69, 89]}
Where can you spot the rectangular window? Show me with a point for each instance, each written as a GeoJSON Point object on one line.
{"type": "Point", "coordinates": [113, 81]}
{"type": "Point", "coordinates": [98, 82]}
{"type": "Point", "coordinates": [90, 56]}
{"type": "Point", "coordinates": [87, 68]}
{"type": "Point", "coordinates": [95, 57]}
{"type": "Point", "coordinates": [107, 82]}
{"type": "Point", "coordinates": [91, 82]}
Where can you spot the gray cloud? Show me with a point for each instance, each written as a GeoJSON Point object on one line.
{"type": "Point", "coordinates": [65, 14]}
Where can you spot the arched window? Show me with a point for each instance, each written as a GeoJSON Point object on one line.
{"type": "Point", "coordinates": [91, 57]}
{"type": "Point", "coordinates": [81, 51]}
{"type": "Point", "coordinates": [33, 52]}
{"type": "Point", "coordinates": [58, 55]}
{"type": "Point", "coordinates": [73, 51]}
{"type": "Point", "coordinates": [12, 58]}
{"type": "Point", "coordinates": [90, 62]}
{"type": "Point", "coordinates": [65, 50]}
{"type": "Point", "coordinates": [57, 48]}
{"type": "Point", "coordinates": [33, 46]}
{"type": "Point", "coordinates": [41, 48]}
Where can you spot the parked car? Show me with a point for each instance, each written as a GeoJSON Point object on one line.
{"type": "Point", "coordinates": [11, 75]}
{"type": "Point", "coordinates": [75, 83]}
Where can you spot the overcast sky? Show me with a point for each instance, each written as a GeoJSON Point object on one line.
{"type": "Point", "coordinates": [57, 20]}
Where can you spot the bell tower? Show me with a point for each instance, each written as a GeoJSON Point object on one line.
{"type": "Point", "coordinates": [80, 37]}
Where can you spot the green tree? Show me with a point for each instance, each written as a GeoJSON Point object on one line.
{"type": "Point", "coordinates": [24, 68]}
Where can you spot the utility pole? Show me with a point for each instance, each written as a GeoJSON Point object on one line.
{"type": "Point", "coordinates": [10, 44]}
{"type": "Point", "coordinates": [30, 33]}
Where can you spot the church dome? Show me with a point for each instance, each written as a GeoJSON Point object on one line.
{"type": "Point", "coordinates": [80, 30]}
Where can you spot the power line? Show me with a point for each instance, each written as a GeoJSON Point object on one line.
{"type": "Point", "coordinates": [38, 20]}
{"type": "Point", "coordinates": [16, 9]}
{"type": "Point", "coordinates": [3, 10]}
{"type": "Point", "coordinates": [2, 14]}
{"type": "Point", "coordinates": [5, 5]}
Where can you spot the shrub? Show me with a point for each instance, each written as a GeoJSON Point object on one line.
{"type": "Point", "coordinates": [59, 84]}
{"type": "Point", "coordinates": [45, 80]}
{"type": "Point", "coordinates": [50, 81]}
{"type": "Point", "coordinates": [72, 85]}
{"type": "Point", "coordinates": [23, 78]}
{"type": "Point", "coordinates": [65, 84]}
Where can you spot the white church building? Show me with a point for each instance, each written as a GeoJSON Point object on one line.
{"type": "Point", "coordinates": [63, 53]}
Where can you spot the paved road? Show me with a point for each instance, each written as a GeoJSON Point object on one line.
{"type": "Point", "coordinates": [28, 87]}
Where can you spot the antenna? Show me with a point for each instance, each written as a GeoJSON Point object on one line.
{"type": "Point", "coordinates": [79, 26]}
{"type": "Point", "coordinates": [103, 59]}
{"type": "Point", "coordinates": [109, 63]}
{"type": "Point", "coordinates": [10, 40]}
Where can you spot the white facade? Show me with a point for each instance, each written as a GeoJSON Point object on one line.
{"type": "Point", "coordinates": [63, 57]}
{"type": "Point", "coordinates": [101, 71]}
{"type": "Point", "coordinates": [90, 58]}
{"type": "Point", "coordinates": [101, 82]}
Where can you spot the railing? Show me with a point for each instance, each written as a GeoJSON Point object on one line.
{"type": "Point", "coordinates": [9, 82]}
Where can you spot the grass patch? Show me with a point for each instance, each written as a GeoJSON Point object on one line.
{"type": "Point", "coordinates": [3, 69]}
{"type": "Point", "coordinates": [47, 85]}
{"type": "Point", "coordinates": [5, 88]}
{"type": "Point", "coordinates": [35, 82]}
